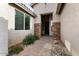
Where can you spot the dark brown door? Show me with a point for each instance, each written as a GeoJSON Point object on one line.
{"type": "Point", "coordinates": [45, 24]}
{"type": "Point", "coordinates": [47, 28]}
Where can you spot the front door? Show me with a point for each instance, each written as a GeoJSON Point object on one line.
{"type": "Point", "coordinates": [47, 27]}
{"type": "Point", "coordinates": [45, 24]}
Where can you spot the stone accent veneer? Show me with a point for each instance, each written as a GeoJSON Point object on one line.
{"type": "Point", "coordinates": [56, 30]}
{"type": "Point", "coordinates": [37, 29]}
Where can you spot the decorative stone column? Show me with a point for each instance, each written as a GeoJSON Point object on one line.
{"type": "Point", "coordinates": [56, 30]}
{"type": "Point", "coordinates": [37, 29]}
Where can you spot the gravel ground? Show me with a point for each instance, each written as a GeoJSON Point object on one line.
{"type": "Point", "coordinates": [58, 49]}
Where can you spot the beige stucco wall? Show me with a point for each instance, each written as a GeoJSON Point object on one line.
{"type": "Point", "coordinates": [3, 37]}
{"type": "Point", "coordinates": [8, 13]}
{"type": "Point", "coordinates": [70, 27]}
{"type": "Point", "coordinates": [41, 8]}
{"type": "Point", "coordinates": [14, 36]}
{"type": "Point", "coordinates": [17, 36]}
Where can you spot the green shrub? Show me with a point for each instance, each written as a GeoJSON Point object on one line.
{"type": "Point", "coordinates": [15, 50]}
{"type": "Point", "coordinates": [30, 39]}
{"type": "Point", "coordinates": [36, 37]}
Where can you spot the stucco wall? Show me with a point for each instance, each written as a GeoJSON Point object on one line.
{"type": "Point", "coordinates": [42, 8]}
{"type": "Point", "coordinates": [3, 36]}
{"type": "Point", "coordinates": [17, 36]}
{"type": "Point", "coordinates": [8, 13]}
{"type": "Point", "coordinates": [14, 36]}
{"type": "Point", "coordinates": [70, 27]}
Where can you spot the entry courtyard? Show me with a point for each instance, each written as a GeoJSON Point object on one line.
{"type": "Point", "coordinates": [46, 46]}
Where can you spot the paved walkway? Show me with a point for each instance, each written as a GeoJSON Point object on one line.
{"type": "Point", "coordinates": [46, 46]}
{"type": "Point", "coordinates": [41, 47]}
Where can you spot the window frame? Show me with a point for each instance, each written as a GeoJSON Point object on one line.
{"type": "Point", "coordinates": [23, 18]}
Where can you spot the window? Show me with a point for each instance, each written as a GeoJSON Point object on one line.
{"type": "Point", "coordinates": [22, 20]}
{"type": "Point", "coordinates": [19, 21]}
{"type": "Point", "coordinates": [27, 22]}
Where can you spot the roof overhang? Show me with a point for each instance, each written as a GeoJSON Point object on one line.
{"type": "Point", "coordinates": [60, 7]}
{"type": "Point", "coordinates": [23, 8]}
{"type": "Point", "coordinates": [33, 4]}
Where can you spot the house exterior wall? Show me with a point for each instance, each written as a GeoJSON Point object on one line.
{"type": "Point", "coordinates": [69, 19]}
{"type": "Point", "coordinates": [14, 36]}
{"type": "Point", "coordinates": [41, 8]}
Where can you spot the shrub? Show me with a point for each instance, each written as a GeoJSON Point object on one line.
{"type": "Point", "coordinates": [30, 39]}
{"type": "Point", "coordinates": [15, 50]}
{"type": "Point", "coordinates": [36, 37]}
